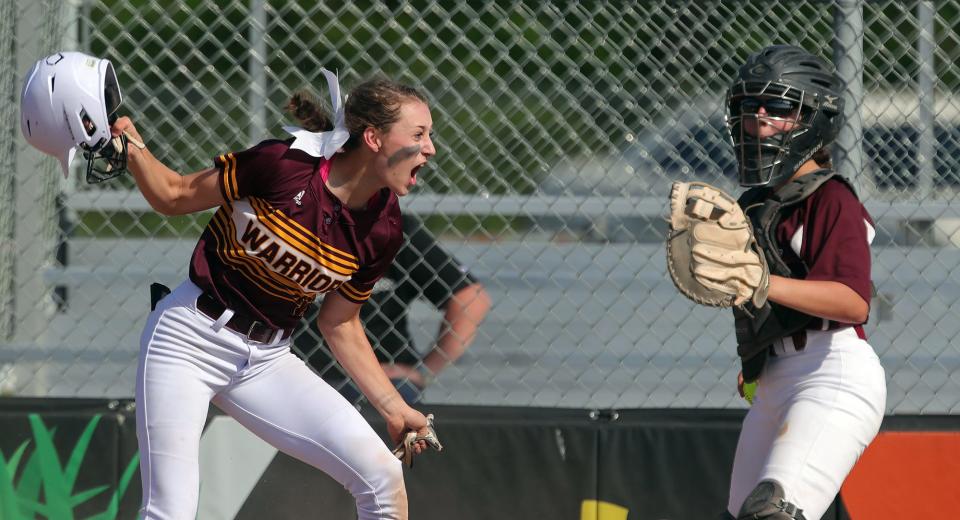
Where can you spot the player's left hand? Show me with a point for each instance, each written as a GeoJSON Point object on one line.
{"type": "Point", "coordinates": [415, 442]}
{"type": "Point", "coordinates": [404, 420]}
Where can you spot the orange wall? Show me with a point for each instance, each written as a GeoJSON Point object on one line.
{"type": "Point", "coordinates": [906, 476]}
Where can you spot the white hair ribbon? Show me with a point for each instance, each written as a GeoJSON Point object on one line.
{"type": "Point", "coordinates": [324, 144]}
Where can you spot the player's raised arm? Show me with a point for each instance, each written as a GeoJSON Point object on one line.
{"type": "Point", "coordinates": [167, 191]}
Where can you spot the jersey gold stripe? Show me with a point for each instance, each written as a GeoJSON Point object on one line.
{"type": "Point", "coordinates": [276, 221]}
{"type": "Point", "coordinates": [350, 297]}
{"type": "Point", "coordinates": [233, 254]}
{"type": "Point", "coordinates": [321, 259]}
{"type": "Point", "coordinates": [244, 268]}
{"type": "Point", "coordinates": [353, 293]}
{"type": "Point", "coordinates": [346, 294]}
{"type": "Point", "coordinates": [354, 289]}
{"type": "Point", "coordinates": [345, 256]}
{"type": "Point", "coordinates": [233, 175]}
{"type": "Point", "coordinates": [348, 257]}
{"type": "Point", "coordinates": [229, 177]}
{"type": "Point", "coordinates": [237, 255]}
{"type": "Point", "coordinates": [253, 268]}
{"type": "Point", "coordinates": [264, 209]}
{"type": "Point", "coordinates": [280, 281]}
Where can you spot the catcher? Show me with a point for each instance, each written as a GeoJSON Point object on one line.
{"type": "Point", "coordinates": [794, 264]}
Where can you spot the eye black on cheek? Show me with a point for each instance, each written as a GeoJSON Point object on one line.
{"type": "Point", "coordinates": [402, 154]}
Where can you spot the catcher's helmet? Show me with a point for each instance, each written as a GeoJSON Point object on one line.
{"type": "Point", "coordinates": [795, 87]}
{"type": "Point", "coordinates": [67, 102]}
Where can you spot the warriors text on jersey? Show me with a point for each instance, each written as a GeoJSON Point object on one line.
{"type": "Point", "coordinates": [282, 238]}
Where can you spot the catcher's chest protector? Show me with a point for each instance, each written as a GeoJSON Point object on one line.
{"type": "Point", "coordinates": [766, 214]}
{"type": "Point", "coordinates": [757, 329]}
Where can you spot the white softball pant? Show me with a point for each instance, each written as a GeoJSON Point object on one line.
{"type": "Point", "coordinates": [814, 412]}
{"type": "Point", "coordinates": [187, 361]}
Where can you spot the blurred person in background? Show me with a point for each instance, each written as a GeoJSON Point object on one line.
{"type": "Point", "coordinates": [423, 270]}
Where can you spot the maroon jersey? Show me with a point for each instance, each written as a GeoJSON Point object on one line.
{"type": "Point", "coordinates": [282, 238]}
{"type": "Point", "coordinates": [831, 233]}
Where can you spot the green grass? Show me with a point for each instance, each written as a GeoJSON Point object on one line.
{"type": "Point", "coordinates": [125, 224]}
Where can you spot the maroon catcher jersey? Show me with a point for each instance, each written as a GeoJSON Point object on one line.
{"type": "Point", "coordinates": [282, 238]}
{"type": "Point", "coordinates": [831, 232]}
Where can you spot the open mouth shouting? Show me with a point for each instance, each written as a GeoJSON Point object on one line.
{"type": "Point", "coordinates": [413, 172]}
{"type": "Point", "coordinates": [405, 154]}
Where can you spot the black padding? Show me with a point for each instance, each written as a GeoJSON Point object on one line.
{"type": "Point", "coordinates": [157, 292]}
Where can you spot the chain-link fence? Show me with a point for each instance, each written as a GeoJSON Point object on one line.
{"type": "Point", "coordinates": [559, 128]}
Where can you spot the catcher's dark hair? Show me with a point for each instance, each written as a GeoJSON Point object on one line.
{"type": "Point", "coordinates": [374, 103]}
{"type": "Point", "coordinates": [823, 157]}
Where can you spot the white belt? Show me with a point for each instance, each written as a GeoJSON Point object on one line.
{"type": "Point", "coordinates": [812, 338]}
{"type": "Point", "coordinates": [788, 346]}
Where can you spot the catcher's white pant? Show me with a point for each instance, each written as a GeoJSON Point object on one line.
{"type": "Point", "coordinates": [813, 414]}
{"type": "Point", "coordinates": [185, 364]}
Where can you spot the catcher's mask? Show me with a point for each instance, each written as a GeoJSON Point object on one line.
{"type": "Point", "coordinates": [68, 102]}
{"type": "Point", "coordinates": [801, 94]}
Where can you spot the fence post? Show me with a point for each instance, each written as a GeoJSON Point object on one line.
{"type": "Point", "coordinates": [257, 96]}
{"type": "Point", "coordinates": [848, 57]}
{"type": "Point", "coordinates": [926, 147]}
{"type": "Point", "coordinates": [8, 158]}
{"type": "Point", "coordinates": [41, 29]}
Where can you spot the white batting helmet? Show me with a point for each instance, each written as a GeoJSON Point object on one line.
{"type": "Point", "coordinates": [66, 102]}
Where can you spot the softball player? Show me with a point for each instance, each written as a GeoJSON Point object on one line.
{"type": "Point", "coordinates": [821, 391]}
{"type": "Point", "coordinates": [294, 221]}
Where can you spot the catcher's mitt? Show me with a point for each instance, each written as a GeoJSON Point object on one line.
{"type": "Point", "coordinates": [404, 450]}
{"type": "Point", "coordinates": [712, 255]}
